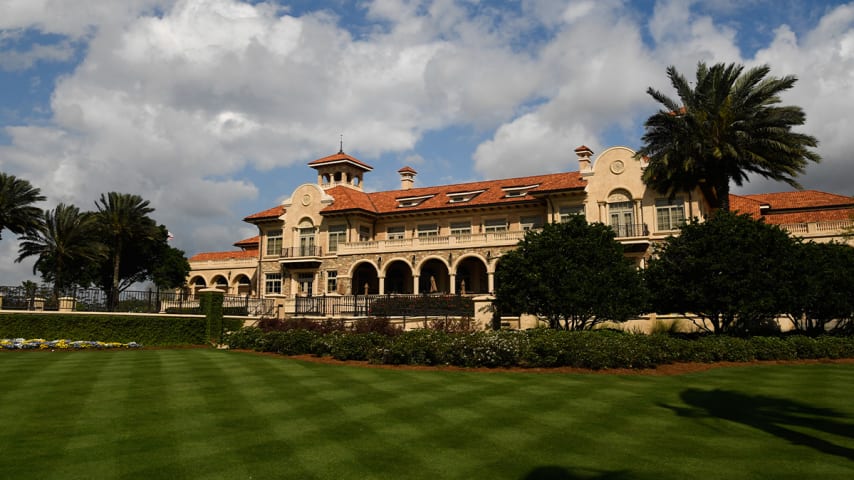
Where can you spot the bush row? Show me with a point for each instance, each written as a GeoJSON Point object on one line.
{"type": "Point", "coordinates": [537, 348]}
{"type": "Point", "coordinates": [146, 330]}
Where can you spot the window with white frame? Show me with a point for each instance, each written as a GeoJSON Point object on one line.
{"type": "Point", "coordinates": [669, 214]}
{"type": "Point", "coordinates": [428, 230]}
{"type": "Point", "coordinates": [413, 201]}
{"type": "Point", "coordinates": [273, 283]}
{"type": "Point", "coordinates": [567, 211]}
{"type": "Point", "coordinates": [337, 236]}
{"type": "Point", "coordinates": [364, 233]}
{"type": "Point", "coordinates": [461, 197]}
{"type": "Point", "coordinates": [331, 281]}
{"type": "Point", "coordinates": [460, 228]}
{"type": "Point", "coordinates": [395, 232]}
{"type": "Point", "coordinates": [531, 222]}
{"type": "Point", "coordinates": [520, 191]}
{"type": "Point", "coordinates": [495, 225]}
{"type": "Point", "coordinates": [274, 242]}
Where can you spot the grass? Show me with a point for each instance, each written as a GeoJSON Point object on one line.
{"type": "Point", "coordinates": [217, 414]}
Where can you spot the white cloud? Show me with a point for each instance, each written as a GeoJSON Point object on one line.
{"type": "Point", "coordinates": [23, 60]}
{"type": "Point", "coordinates": [823, 61]}
{"type": "Point", "coordinates": [178, 100]}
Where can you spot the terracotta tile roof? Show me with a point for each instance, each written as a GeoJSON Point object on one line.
{"type": "Point", "coordinates": [493, 194]}
{"type": "Point", "coordinates": [801, 199]}
{"type": "Point", "coordinates": [274, 212]}
{"type": "Point", "coordinates": [801, 206]}
{"type": "Point", "coordinates": [583, 148]}
{"type": "Point", "coordinates": [248, 243]}
{"type": "Point", "coordinates": [834, 215]}
{"type": "Point", "coordinates": [740, 204]}
{"type": "Point", "coordinates": [337, 158]}
{"type": "Point", "coordinates": [407, 169]}
{"type": "Point", "coordinates": [216, 256]}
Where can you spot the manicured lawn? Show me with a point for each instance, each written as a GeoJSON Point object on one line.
{"type": "Point", "coordinates": [218, 414]}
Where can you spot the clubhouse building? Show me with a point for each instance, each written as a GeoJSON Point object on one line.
{"type": "Point", "coordinates": [333, 238]}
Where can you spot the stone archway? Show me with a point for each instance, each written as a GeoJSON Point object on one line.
{"type": "Point", "coordinates": [242, 285]}
{"type": "Point", "coordinates": [472, 271]}
{"type": "Point", "coordinates": [220, 282]}
{"type": "Point", "coordinates": [365, 273]}
{"type": "Point", "coordinates": [434, 277]}
{"type": "Point", "coordinates": [398, 277]}
{"type": "Point", "coordinates": [197, 284]}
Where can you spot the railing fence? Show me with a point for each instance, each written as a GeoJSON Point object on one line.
{"type": "Point", "coordinates": [132, 301]}
{"type": "Point", "coordinates": [398, 305]}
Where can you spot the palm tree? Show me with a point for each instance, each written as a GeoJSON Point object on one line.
{"type": "Point", "coordinates": [64, 244]}
{"type": "Point", "coordinates": [16, 211]}
{"type": "Point", "coordinates": [724, 127]}
{"type": "Point", "coordinates": [123, 218]}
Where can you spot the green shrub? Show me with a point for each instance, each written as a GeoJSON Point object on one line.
{"type": "Point", "coordinates": [244, 338]}
{"type": "Point", "coordinates": [154, 330]}
{"type": "Point", "coordinates": [416, 347]}
{"type": "Point", "coordinates": [452, 325]}
{"type": "Point", "coordinates": [538, 348]}
{"type": "Point", "coordinates": [720, 348]}
{"type": "Point", "coordinates": [290, 342]}
{"type": "Point", "coordinates": [835, 347]}
{"type": "Point", "coordinates": [772, 348]}
{"type": "Point", "coordinates": [486, 349]}
{"type": "Point", "coordinates": [349, 346]}
{"type": "Point", "coordinates": [379, 325]}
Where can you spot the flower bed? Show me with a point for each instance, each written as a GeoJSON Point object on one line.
{"type": "Point", "coordinates": [62, 344]}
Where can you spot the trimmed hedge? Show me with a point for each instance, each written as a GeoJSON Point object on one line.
{"type": "Point", "coordinates": [539, 348]}
{"type": "Point", "coordinates": [145, 330]}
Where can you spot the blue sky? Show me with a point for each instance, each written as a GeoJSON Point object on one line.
{"type": "Point", "coordinates": [210, 109]}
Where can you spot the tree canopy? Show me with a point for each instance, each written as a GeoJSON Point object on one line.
{"type": "Point", "coordinates": [726, 125]}
{"type": "Point", "coordinates": [115, 247]}
{"type": "Point", "coordinates": [17, 213]}
{"type": "Point", "coordinates": [65, 245]}
{"type": "Point", "coordinates": [123, 220]}
{"type": "Point", "coordinates": [823, 298]}
{"type": "Point", "coordinates": [574, 274]}
{"type": "Point", "coordinates": [730, 271]}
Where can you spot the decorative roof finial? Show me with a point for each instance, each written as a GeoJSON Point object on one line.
{"type": "Point", "coordinates": [341, 143]}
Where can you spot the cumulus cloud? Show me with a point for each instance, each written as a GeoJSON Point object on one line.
{"type": "Point", "coordinates": [178, 99]}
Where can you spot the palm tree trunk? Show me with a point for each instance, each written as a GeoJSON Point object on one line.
{"type": "Point", "coordinates": [114, 290]}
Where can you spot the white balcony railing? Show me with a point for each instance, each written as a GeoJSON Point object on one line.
{"type": "Point", "coordinates": [432, 242]}
{"type": "Point", "coordinates": [818, 228]}
{"type": "Point", "coordinates": [223, 262]}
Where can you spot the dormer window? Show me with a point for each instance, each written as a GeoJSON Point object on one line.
{"type": "Point", "coordinates": [516, 192]}
{"type": "Point", "coordinates": [412, 201]}
{"type": "Point", "coordinates": [462, 197]}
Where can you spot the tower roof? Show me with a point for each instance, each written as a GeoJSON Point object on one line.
{"type": "Point", "coordinates": [338, 158]}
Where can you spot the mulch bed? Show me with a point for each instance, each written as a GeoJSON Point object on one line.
{"type": "Point", "coordinates": [670, 369]}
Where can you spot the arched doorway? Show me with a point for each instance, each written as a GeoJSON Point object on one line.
{"type": "Point", "coordinates": [434, 277]}
{"type": "Point", "coordinates": [471, 276]}
{"type": "Point", "coordinates": [365, 274]}
{"type": "Point", "coordinates": [197, 284]}
{"type": "Point", "coordinates": [398, 277]}
{"type": "Point", "coordinates": [243, 285]}
{"type": "Point", "coordinates": [220, 283]}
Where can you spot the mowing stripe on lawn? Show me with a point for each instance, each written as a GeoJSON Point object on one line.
{"type": "Point", "coordinates": [215, 414]}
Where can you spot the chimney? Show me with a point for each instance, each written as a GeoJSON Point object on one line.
{"type": "Point", "coordinates": [407, 178]}
{"type": "Point", "coordinates": [584, 153]}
